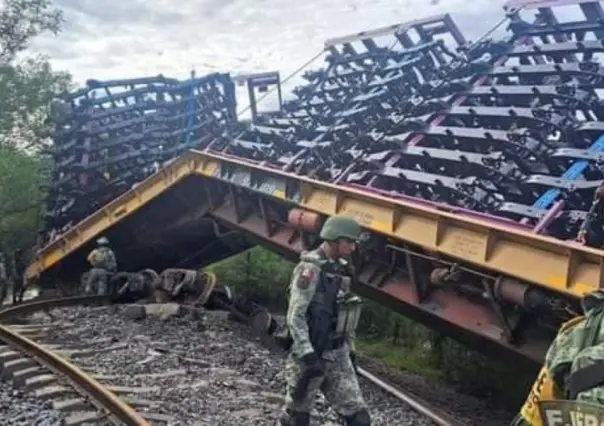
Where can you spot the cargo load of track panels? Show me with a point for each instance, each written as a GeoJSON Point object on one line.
{"type": "Point", "coordinates": [110, 135]}
{"type": "Point", "coordinates": [454, 155]}
{"type": "Point", "coordinates": [509, 128]}
{"type": "Point", "coordinates": [506, 130]}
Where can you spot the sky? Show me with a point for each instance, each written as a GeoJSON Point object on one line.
{"type": "Point", "coordinates": [132, 38]}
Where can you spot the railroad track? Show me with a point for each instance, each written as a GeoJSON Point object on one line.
{"type": "Point", "coordinates": [425, 408]}
{"type": "Point", "coordinates": [48, 375]}
{"type": "Point", "coordinates": [96, 400]}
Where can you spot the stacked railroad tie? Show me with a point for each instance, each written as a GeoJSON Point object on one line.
{"type": "Point", "coordinates": [504, 127]}
{"type": "Point", "coordinates": [112, 134]}
{"type": "Point", "coordinates": [490, 126]}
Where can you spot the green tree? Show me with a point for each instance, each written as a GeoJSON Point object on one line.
{"type": "Point", "coordinates": [27, 86]}
{"type": "Point", "coordinates": [28, 89]}
{"type": "Point", "coordinates": [19, 198]}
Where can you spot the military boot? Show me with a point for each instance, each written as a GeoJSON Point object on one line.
{"type": "Point", "coordinates": [296, 418]}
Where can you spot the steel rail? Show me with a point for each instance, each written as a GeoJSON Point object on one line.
{"type": "Point", "coordinates": [39, 305]}
{"type": "Point", "coordinates": [118, 411]}
{"type": "Point", "coordinates": [422, 407]}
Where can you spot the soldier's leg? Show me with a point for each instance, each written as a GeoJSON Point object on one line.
{"type": "Point", "coordinates": [93, 280]}
{"type": "Point", "coordinates": [342, 390]}
{"type": "Point", "coordinates": [103, 282]}
{"type": "Point", "coordinates": [297, 413]}
{"type": "Point", "coordinates": [16, 289]}
{"type": "Point", "coordinates": [84, 282]}
{"type": "Point", "coordinates": [23, 288]}
{"type": "Point", "coordinates": [3, 290]}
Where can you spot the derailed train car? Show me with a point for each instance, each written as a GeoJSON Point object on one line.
{"type": "Point", "coordinates": [471, 166]}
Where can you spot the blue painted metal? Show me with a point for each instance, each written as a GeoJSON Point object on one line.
{"type": "Point", "coordinates": [574, 172]}
{"type": "Point", "coordinates": [190, 112]}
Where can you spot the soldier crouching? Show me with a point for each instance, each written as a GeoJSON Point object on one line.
{"type": "Point", "coordinates": [321, 319]}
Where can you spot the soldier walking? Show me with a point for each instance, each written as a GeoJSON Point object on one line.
{"type": "Point", "coordinates": [103, 264]}
{"type": "Point", "coordinates": [321, 320]}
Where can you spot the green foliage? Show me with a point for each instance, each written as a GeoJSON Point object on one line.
{"type": "Point", "coordinates": [257, 273]}
{"type": "Point", "coordinates": [28, 87]}
{"type": "Point", "coordinates": [19, 198]}
{"type": "Point", "coordinates": [21, 21]}
{"type": "Point", "coordinates": [27, 92]}
{"type": "Point", "coordinates": [395, 339]}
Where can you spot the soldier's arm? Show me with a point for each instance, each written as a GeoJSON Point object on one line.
{"type": "Point", "coordinates": [351, 337]}
{"type": "Point", "coordinates": [113, 261]}
{"type": "Point", "coordinates": [90, 255]}
{"type": "Point", "coordinates": [305, 278]}
{"type": "Point", "coordinates": [594, 211]}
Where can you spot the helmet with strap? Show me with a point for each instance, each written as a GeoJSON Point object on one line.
{"type": "Point", "coordinates": [336, 227]}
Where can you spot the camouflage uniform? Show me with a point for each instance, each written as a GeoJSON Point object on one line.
{"type": "Point", "coordinates": [570, 373]}
{"type": "Point", "coordinates": [592, 228]}
{"type": "Point", "coordinates": [3, 278]}
{"type": "Point", "coordinates": [337, 379]}
{"type": "Point", "coordinates": [103, 264]}
{"type": "Point", "coordinates": [18, 277]}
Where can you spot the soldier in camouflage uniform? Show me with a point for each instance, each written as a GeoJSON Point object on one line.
{"type": "Point", "coordinates": [103, 264]}
{"type": "Point", "coordinates": [591, 232]}
{"type": "Point", "coordinates": [570, 387]}
{"type": "Point", "coordinates": [3, 278]}
{"type": "Point", "coordinates": [18, 276]}
{"type": "Point", "coordinates": [321, 319]}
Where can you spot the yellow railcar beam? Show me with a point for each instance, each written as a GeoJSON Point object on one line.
{"type": "Point", "coordinates": [558, 265]}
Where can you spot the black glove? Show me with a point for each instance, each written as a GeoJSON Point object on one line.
{"type": "Point", "coordinates": [312, 365]}
{"type": "Point", "coordinates": [353, 359]}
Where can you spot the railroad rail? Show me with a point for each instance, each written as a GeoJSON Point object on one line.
{"type": "Point", "coordinates": [116, 409]}
{"type": "Point", "coordinates": [470, 165]}
{"type": "Point", "coordinates": [423, 407]}
{"type": "Point", "coordinates": [120, 412]}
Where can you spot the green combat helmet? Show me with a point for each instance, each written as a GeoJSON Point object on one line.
{"type": "Point", "coordinates": [592, 300]}
{"type": "Point", "coordinates": [103, 241]}
{"type": "Point", "coordinates": [340, 227]}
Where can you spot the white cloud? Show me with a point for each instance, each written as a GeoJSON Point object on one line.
{"type": "Point", "coordinates": [118, 39]}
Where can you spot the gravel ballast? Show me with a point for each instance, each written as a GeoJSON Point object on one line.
{"type": "Point", "coordinates": [19, 409]}
{"type": "Point", "coordinates": [201, 369]}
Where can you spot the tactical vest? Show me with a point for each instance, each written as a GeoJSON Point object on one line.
{"type": "Point", "coordinates": [570, 389]}
{"type": "Point", "coordinates": [333, 313]}
{"type": "Point", "coordinates": [102, 258]}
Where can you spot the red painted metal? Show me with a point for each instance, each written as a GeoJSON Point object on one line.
{"type": "Point", "coordinates": [303, 219]}
{"type": "Point", "coordinates": [442, 309]}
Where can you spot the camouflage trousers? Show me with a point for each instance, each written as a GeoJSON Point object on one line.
{"type": "Point", "coordinates": [97, 281]}
{"type": "Point", "coordinates": [339, 384]}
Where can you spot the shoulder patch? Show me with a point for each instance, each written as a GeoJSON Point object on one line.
{"type": "Point", "coordinates": [305, 277]}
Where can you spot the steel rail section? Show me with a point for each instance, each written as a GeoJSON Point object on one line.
{"type": "Point", "coordinates": [558, 265]}
{"type": "Point", "coordinates": [119, 412]}
{"type": "Point", "coordinates": [39, 305]}
{"type": "Point", "coordinates": [422, 407]}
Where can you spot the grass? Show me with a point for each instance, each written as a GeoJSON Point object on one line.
{"type": "Point", "coordinates": [385, 335]}
{"type": "Point", "coordinates": [396, 357]}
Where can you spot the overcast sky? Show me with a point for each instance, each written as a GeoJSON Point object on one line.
{"type": "Point", "coordinates": [130, 38]}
